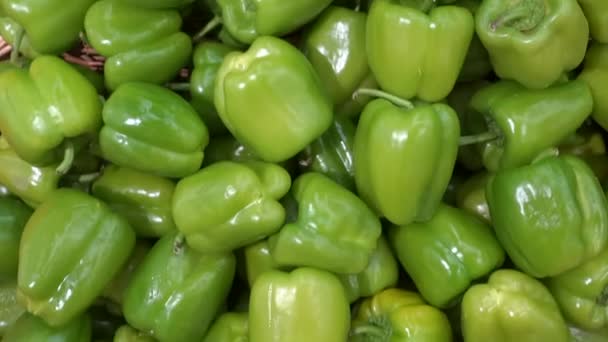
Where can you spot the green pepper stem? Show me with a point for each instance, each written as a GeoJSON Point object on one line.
{"type": "Point", "coordinates": [17, 46]}
{"type": "Point", "coordinates": [550, 152]}
{"type": "Point", "coordinates": [383, 95]}
{"type": "Point", "coordinates": [367, 330]}
{"type": "Point", "coordinates": [211, 25]}
{"type": "Point", "coordinates": [68, 159]}
{"type": "Point", "coordinates": [523, 16]}
{"type": "Point", "coordinates": [183, 86]}
{"type": "Point", "coordinates": [477, 138]}
{"type": "Point", "coordinates": [88, 177]}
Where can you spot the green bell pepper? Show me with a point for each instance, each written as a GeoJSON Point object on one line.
{"type": "Point", "coordinates": [42, 109]}
{"type": "Point", "coordinates": [511, 306]}
{"type": "Point", "coordinates": [115, 289]}
{"type": "Point", "coordinates": [158, 4]}
{"type": "Point", "coordinates": [13, 216]}
{"type": "Point", "coordinates": [334, 230]}
{"type": "Point", "coordinates": [257, 260]}
{"type": "Point", "coordinates": [528, 121]}
{"type": "Point", "coordinates": [271, 99]}
{"type": "Point", "coordinates": [11, 32]}
{"type": "Point", "coordinates": [398, 315]}
{"type": "Point", "coordinates": [417, 54]}
{"type": "Point", "coordinates": [595, 74]}
{"type": "Point", "coordinates": [585, 142]}
{"type": "Point", "coordinates": [247, 20]}
{"type": "Point", "coordinates": [229, 327]}
{"type": "Point", "coordinates": [580, 335]}
{"type": "Point", "coordinates": [228, 205]}
{"type": "Point", "coordinates": [533, 42]}
{"type": "Point", "coordinates": [307, 304]}
{"type": "Point", "coordinates": [549, 216]}
{"type": "Point", "coordinates": [58, 284]}
{"type": "Point", "coordinates": [10, 308]}
{"type": "Point", "coordinates": [471, 196]}
{"type": "Point", "coordinates": [32, 328]}
{"type": "Point", "coordinates": [143, 199]}
{"type": "Point", "coordinates": [227, 148]}
{"type": "Point", "coordinates": [173, 285]}
{"type": "Point", "coordinates": [353, 107]}
{"type": "Point", "coordinates": [596, 12]}
{"type": "Point", "coordinates": [152, 129]}
{"type": "Point", "coordinates": [142, 44]}
{"type": "Point", "coordinates": [126, 333]}
{"type": "Point", "coordinates": [389, 140]}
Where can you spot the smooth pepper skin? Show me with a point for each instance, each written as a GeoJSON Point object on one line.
{"type": "Point", "coordinates": [549, 216]}
{"type": "Point", "coordinates": [334, 230]}
{"type": "Point", "coordinates": [471, 196]}
{"type": "Point", "coordinates": [444, 255]}
{"type": "Point", "coordinates": [44, 106]}
{"type": "Point", "coordinates": [511, 306]}
{"type": "Point", "coordinates": [415, 54]}
{"type": "Point", "coordinates": [152, 129]}
{"type": "Point", "coordinates": [229, 327]}
{"type": "Point", "coordinates": [143, 199]}
{"type": "Point", "coordinates": [257, 260]}
{"type": "Point", "coordinates": [595, 74]}
{"type": "Point", "coordinates": [10, 308]}
{"type": "Point", "coordinates": [32, 328]}
{"type": "Point", "coordinates": [58, 284]}
{"type": "Point", "coordinates": [141, 44]}
{"type": "Point", "coordinates": [596, 12]}
{"type": "Point", "coordinates": [404, 158]}
{"type": "Point", "coordinates": [247, 20]}
{"type": "Point", "coordinates": [271, 99]}
{"type": "Point", "coordinates": [13, 216]}
{"type": "Point", "coordinates": [307, 304]}
{"type": "Point", "coordinates": [396, 315]}
{"type": "Point", "coordinates": [228, 205]}
{"type": "Point", "coordinates": [529, 121]}
{"type": "Point", "coordinates": [533, 42]}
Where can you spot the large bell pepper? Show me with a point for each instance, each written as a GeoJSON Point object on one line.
{"type": "Point", "coordinates": [271, 99]}
{"type": "Point", "coordinates": [305, 305]}
{"type": "Point", "coordinates": [32, 328]}
{"type": "Point", "coordinates": [417, 54]}
{"type": "Point", "coordinates": [399, 315]}
{"type": "Point", "coordinates": [229, 327]}
{"type": "Point", "coordinates": [511, 306]}
{"type": "Point", "coordinates": [334, 230]}
{"type": "Point", "coordinates": [389, 141]}
{"type": "Point", "coordinates": [10, 308]}
{"type": "Point", "coordinates": [58, 284]}
{"type": "Point", "coordinates": [528, 121]}
{"type": "Point", "coordinates": [142, 44]}
{"type": "Point", "coordinates": [13, 216]}
{"type": "Point", "coordinates": [595, 74]}
{"type": "Point", "coordinates": [141, 198]}
{"type": "Point", "coordinates": [533, 42]}
{"type": "Point", "coordinates": [549, 216]}
{"type": "Point", "coordinates": [471, 196]}
{"type": "Point", "coordinates": [596, 12]}
{"type": "Point", "coordinates": [228, 205]}
{"type": "Point", "coordinates": [152, 129]}
{"type": "Point", "coordinates": [176, 292]}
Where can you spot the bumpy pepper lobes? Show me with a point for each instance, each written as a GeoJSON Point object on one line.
{"type": "Point", "coordinates": [229, 327]}
{"type": "Point", "coordinates": [152, 129]}
{"type": "Point", "coordinates": [10, 308]}
{"type": "Point", "coordinates": [596, 12]}
{"type": "Point", "coordinates": [58, 284]}
{"type": "Point", "coordinates": [595, 74]}
{"type": "Point", "coordinates": [415, 54]}
{"type": "Point", "coordinates": [13, 216]}
{"type": "Point", "coordinates": [404, 158]}
{"type": "Point", "coordinates": [399, 315]}
{"type": "Point", "coordinates": [471, 196]}
{"type": "Point", "coordinates": [511, 306]}
{"type": "Point", "coordinates": [271, 99]}
{"type": "Point", "coordinates": [142, 44]}
{"type": "Point", "coordinates": [533, 42]}
{"type": "Point", "coordinates": [126, 333]}
{"type": "Point", "coordinates": [32, 328]}
{"type": "Point", "coordinates": [334, 230]}
{"type": "Point", "coordinates": [549, 216]}
{"type": "Point", "coordinates": [228, 205]}
{"type": "Point", "coordinates": [305, 305]}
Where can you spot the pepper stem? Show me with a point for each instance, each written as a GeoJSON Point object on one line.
{"type": "Point", "coordinates": [68, 159]}
{"type": "Point", "coordinates": [211, 25]}
{"type": "Point", "coordinates": [183, 86]}
{"type": "Point", "coordinates": [383, 95]}
{"type": "Point", "coordinates": [477, 138]}
{"type": "Point", "coordinates": [17, 46]}
{"type": "Point", "coordinates": [522, 16]}
{"type": "Point", "coordinates": [602, 299]}
{"type": "Point", "coordinates": [550, 152]}
{"type": "Point", "coordinates": [367, 330]}
{"type": "Point", "coordinates": [88, 177]}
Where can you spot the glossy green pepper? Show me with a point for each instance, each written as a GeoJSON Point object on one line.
{"type": "Point", "coordinates": [549, 216]}
{"type": "Point", "coordinates": [595, 74]}
{"type": "Point", "coordinates": [403, 47]}
{"type": "Point", "coordinates": [60, 284]}
{"type": "Point", "coordinates": [11, 31]}
{"type": "Point", "coordinates": [142, 44]}
{"type": "Point", "coordinates": [471, 196]}
{"type": "Point", "coordinates": [307, 304]}
{"type": "Point", "coordinates": [334, 230]}
{"type": "Point", "coordinates": [126, 333]}
{"type": "Point", "coordinates": [229, 327]}
{"type": "Point", "coordinates": [228, 205]}
{"type": "Point", "coordinates": [511, 306]}
{"type": "Point", "coordinates": [399, 316]}
{"type": "Point", "coordinates": [596, 12]}
{"type": "Point", "coordinates": [528, 121]}
{"type": "Point", "coordinates": [141, 198]}
{"type": "Point", "coordinates": [13, 216]}
{"type": "Point", "coordinates": [175, 284]}
{"type": "Point", "coordinates": [247, 20]}
{"type": "Point", "coordinates": [158, 4]}
{"type": "Point", "coordinates": [42, 109]}
{"type": "Point", "coordinates": [32, 328]}
{"type": "Point", "coordinates": [152, 129]}
{"type": "Point", "coordinates": [227, 148]}
{"type": "Point", "coordinates": [257, 260]}
{"type": "Point", "coordinates": [10, 308]}
{"type": "Point", "coordinates": [388, 141]}
{"type": "Point", "coordinates": [444, 255]}
{"type": "Point", "coordinates": [115, 290]}
{"type": "Point", "coordinates": [533, 42]}
{"type": "Point", "coordinates": [271, 99]}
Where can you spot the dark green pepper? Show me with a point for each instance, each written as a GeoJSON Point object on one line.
{"type": "Point", "coordinates": [13, 216]}
{"type": "Point", "coordinates": [32, 328]}
{"type": "Point", "coordinates": [10, 308]}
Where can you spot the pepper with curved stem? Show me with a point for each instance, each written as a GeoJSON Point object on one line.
{"type": "Point", "coordinates": [210, 26]}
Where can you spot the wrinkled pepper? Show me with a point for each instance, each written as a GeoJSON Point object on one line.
{"type": "Point", "coordinates": [595, 74]}
{"type": "Point", "coordinates": [596, 12]}
{"type": "Point", "coordinates": [229, 327]}
{"type": "Point", "coordinates": [13, 216]}
{"type": "Point", "coordinates": [32, 328]}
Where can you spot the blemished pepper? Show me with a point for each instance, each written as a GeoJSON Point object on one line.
{"type": "Point", "coordinates": [229, 327]}
{"type": "Point", "coordinates": [175, 284]}
{"type": "Point", "coordinates": [334, 230]}
{"type": "Point", "coordinates": [595, 74]}
{"type": "Point", "coordinates": [32, 328]}
{"type": "Point", "coordinates": [127, 333]}
{"type": "Point", "coordinates": [471, 196]}
{"type": "Point", "coordinates": [399, 315]}
{"type": "Point", "coordinates": [533, 42]}
{"type": "Point", "coordinates": [143, 199]}
{"type": "Point", "coordinates": [511, 306]}
{"type": "Point", "coordinates": [13, 216]}
{"type": "Point", "coordinates": [271, 99]}
{"type": "Point", "coordinates": [228, 205]}
{"type": "Point", "coordinates": [304, 305]}
{"type": "Point", "coordinates": [549, 216]}
{"type": "Point", "coordinates": [596, 12]}
{"type": "Point", "coordinates": [10, 308]}
{"type": "Point", "coordinates": [60, 284]}
{"type": "Point", "coordinates": [152, 129]}
{"type": "Point", "coordinates": [401, 47]}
